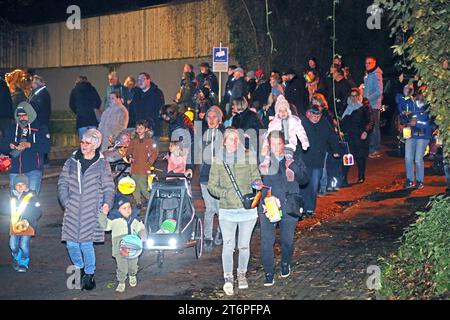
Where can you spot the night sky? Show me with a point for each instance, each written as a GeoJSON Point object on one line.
{"type": "Point", "coordinates": [27, 12]}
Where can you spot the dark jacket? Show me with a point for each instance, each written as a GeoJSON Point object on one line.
{"type": "Point", "coordinates": [42, 104]}
{"type": "Point", "coordinates": [147, 106]}
{"type": "Point", "coordinates": [354, 125]}
{"type": "Point", "coordinates": [277, 180]}
{"type": "Point", "coordinates": [295, 93]}
{"type": "Point", "coordinates": [239, 89]}
{"type": "Point", "coordinates": [211, 142]}
{"type": "Point", "coordinates": [209, 77]}
{"type": "Point", "coordinates": [31, 158]}
{"type": "Point", "coordinates": [6, 107]}
{"type": "Point", "coordinates": [261, 94]}
{"type": "Point", "coordinates": [342, 91]}
{"type": "Point", "coordinates": [320, 135]}
{"type": "Point", "coordinates": [82, 196]}
{"type": "Point", "coordinates": [228, 88]}
{"type": "Point", "coordinates": [32, 212]}
{"type": "Point", "coordinates": [246, 120]}
{"type": "Point", "coordinates": [83, 100]}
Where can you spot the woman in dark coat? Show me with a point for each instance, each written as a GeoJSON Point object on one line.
{"type": "Point", "coordinates": [283, 176]}
{"type": "Point", "coordinates": [85, 187]}
{"type": "Point", "coordinates": [357, 123]}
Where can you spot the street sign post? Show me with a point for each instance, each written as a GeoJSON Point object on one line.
{"type": "Point", "coordinates": [220, 64]}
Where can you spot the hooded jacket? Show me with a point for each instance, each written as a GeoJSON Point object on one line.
{"type": "Point", "coordinates": [294, 128]}
{"type": "Point", "coordinates": [147, 106]}
{"type": "Point", "coordinates": [121, 226]}
{"type": "Point", "coordinates": [30, 158]}
{"type": "Point", "coordinates": [83, 100]}
{"type": "Point", "coordinates": [373, 87]}
{"type": "Point", "coordinates": [82, 195]}
{"type": "Point", "coordinates": [144, 154]}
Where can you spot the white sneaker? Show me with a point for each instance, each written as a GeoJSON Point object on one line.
{"type": "Point", "coordinates": [133, 281]}
{"type": "Point", "coordinates": [120, 288]}
{"type": "Point", "coordinates": [228, 288]}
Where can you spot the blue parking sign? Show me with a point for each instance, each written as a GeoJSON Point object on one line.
{"type": "Point", "coordinates": [220, 54]}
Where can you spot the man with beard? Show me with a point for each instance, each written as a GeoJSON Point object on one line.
{"type": "Point", "coordinates": [26, 142]}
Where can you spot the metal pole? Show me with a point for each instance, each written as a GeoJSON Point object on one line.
{"type": "Point", "coordinates": [220, 80]}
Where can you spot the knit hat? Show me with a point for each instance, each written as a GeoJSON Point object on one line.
{"type": "Point", "coordinates": [314, 110]}
{"type": "Point", "coordinates": [259, 73]}
{"type": "Point", "coordinates": [21, 178]}
{"type": "Point", "coordinates": [95, 136]}
{"type": "Point", "coordinates": [251, 74]}
{"type": "Point", "coordinates": [120, 200]}
{"type": "Point", "coordinates": [217, 110]}
{"type": "Point", "coordinates": [282, 102]}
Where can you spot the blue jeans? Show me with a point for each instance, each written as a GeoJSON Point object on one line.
{"type": "Point", "coordinates": [309, 192]}
{"type": "Point", "coordinates": [82, 130]}
{"type": "Point", "coordinates": [82, 255]}
{"type": "Point", "coordinates": [414, 152]}
{"type": "Point", "coordinates": [212, 208]}
{"type": "Point", "coordinates": [229, 242]}
{"type": "Point", "coordinates": [20, 249]}
{"type": "Point", "coordinates": [375, 135]}
{"type": "Point", "coordinates": [324, 179]}
{"type": "Point", "coordinates": [268, 233]}
{"type": "Point", "coordinates": [34, 177]}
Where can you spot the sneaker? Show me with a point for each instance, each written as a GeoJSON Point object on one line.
{"type": "Point", "coordinates": [22, 268]}
{"type": "Point", "coordinates": [121, 287]}
{"type": "Point", "coordinates": [228, 287]}
{"type": "Point", "coordinates": [310, 214]}
{"type": "Point", "coordinates": [209, 243]}
{"type": "Point", "coordinates": [285, 269]}
{"type": "Point", "coordinates": [408, 185]}
{"type": "Point", "coordinates": [242, 281]}
{"type": "Point", "coordinates": [419, 185]}
{"type": "Point", "coordinates": [133, 281]}
{"type": "Point", "coordinates": [269, 281]}
{"type": "Point", "coordinates": [361, 180]}
{"type": "Point", "coordinates": [344, 184]}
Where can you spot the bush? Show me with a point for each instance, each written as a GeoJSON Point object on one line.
{"type": "Point", "coordinates": [420, 269]}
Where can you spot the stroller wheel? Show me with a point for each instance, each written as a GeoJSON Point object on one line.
{"type": "Point", "coordinates": [160, 259]}
{"type": "Point", "coordinates": [198, 236]}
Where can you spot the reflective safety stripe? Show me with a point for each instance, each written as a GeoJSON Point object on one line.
{"type": "Point", "coordinates": [16, 212]}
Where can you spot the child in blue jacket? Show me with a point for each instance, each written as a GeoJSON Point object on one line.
{"type": "Point", "coordinates": [25, 213]}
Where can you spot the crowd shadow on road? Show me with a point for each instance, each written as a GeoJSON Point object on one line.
{"type": "Point", "coordinates": [380, 196]}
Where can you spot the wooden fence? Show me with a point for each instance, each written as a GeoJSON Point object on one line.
{"type": "Point", "coordinates": [177, 31]}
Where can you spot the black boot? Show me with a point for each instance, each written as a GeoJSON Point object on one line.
{"type": "Point", "coordinates": [88, 282]}
{"type": "Point", "coordinates": [344, 183]}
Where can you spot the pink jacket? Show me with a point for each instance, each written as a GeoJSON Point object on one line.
{"type": "Point", "coordinates": [295, 128]}
{"type": "Point", "coordinates": [176, 164]}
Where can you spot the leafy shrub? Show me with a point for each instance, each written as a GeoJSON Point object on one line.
{"type": "Point", "coordinates": [421, 268]}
